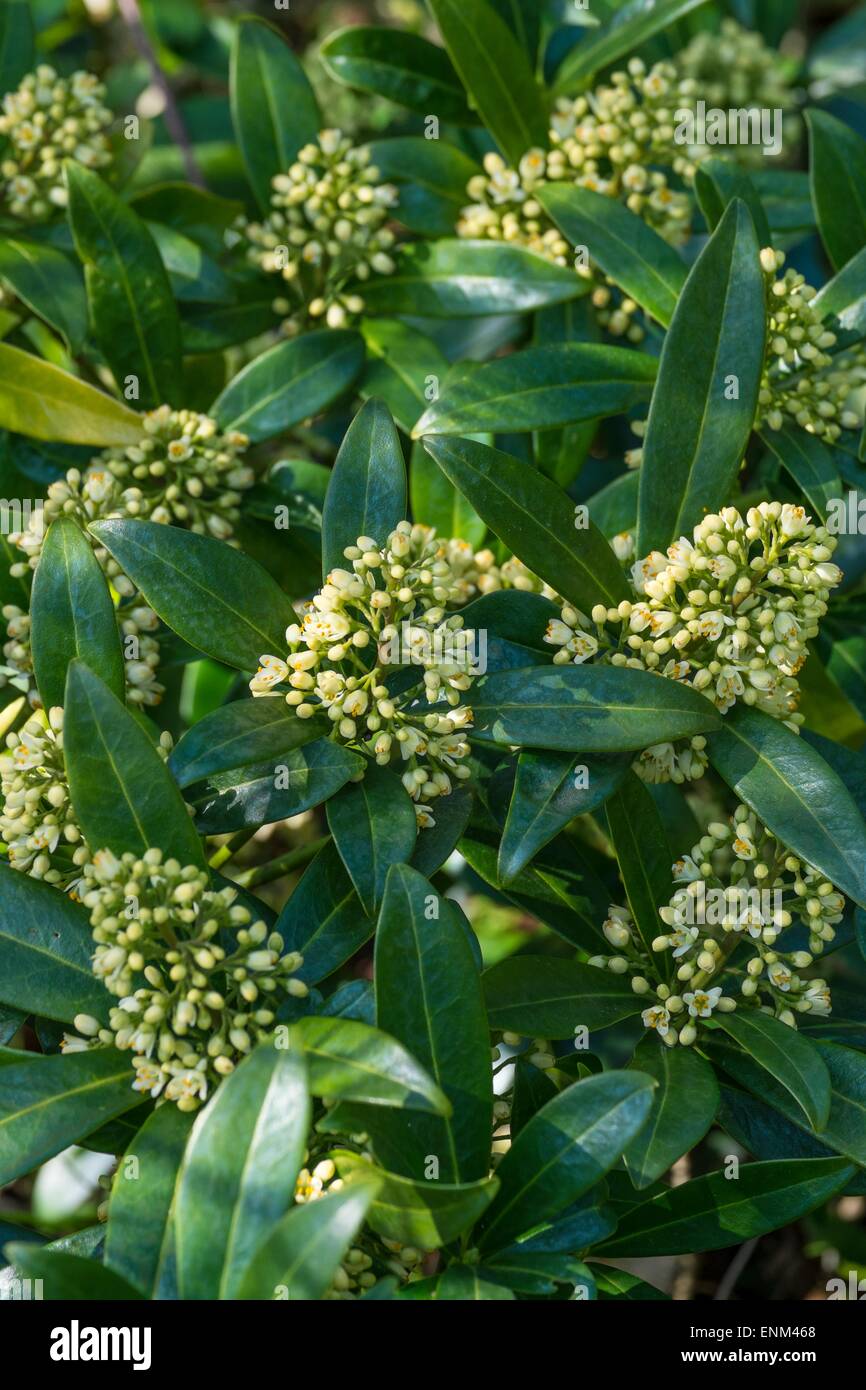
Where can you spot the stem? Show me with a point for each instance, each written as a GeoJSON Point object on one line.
{"type": "Point", "coordinates": [703, 977]}
{"type": "Point", "coordinates": [231, 847]}
{"type": "Point", "coordinates": [174, 122]}
{"type": "Point", "coordinates": [283, 864]}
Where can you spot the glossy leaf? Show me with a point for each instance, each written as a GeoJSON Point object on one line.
{"type": "Point", "coordinates": [17, 43]}
{"type": "Point", "coordinates": [299, 1258]}
{"type": "Point", "coordinates": [48, 1103]}
{"type": "Point", "coordinates": [401, 366]}
{"type": "Point", "coordinates": [787, 1055]}
{"type": "Point", "coordinates": [626, 248]}
{"type": "Point", "coordinates": [238, 735]}
{"type": "Point", "coordinates": [139, 1242]}
{"type": "Point", "coordinates": [424, 1214]}
{"type": "Point", "coordinates": [684, 1106]}
{"type": "Point", "coordinates": [457, 278]}
{"type": "Point", "coordinates": [837, 164]}
{"type": "Point", "coordinates": [64, 1277]}
{"type": "Point", "coordinates": [270, 791]}
{"type": "Point", "coordinates": [374, 826]}
{"type": "Point", "coordinates": [550, 789]}
{"type": "Point", "coordinates": [811, 464]}
{"type": "Point", "coordinates": [539, 388]}
{"type": "Point", "coordinates": [289, 383]}
{"type": "Point", "coordinates": [124, 796]}
{"type": "Point", "coordinates": [49, 284]}
{"type": "Point", "coordinates": [399, 65]}
{"type": "Point", "coordinates": [45, 951]}
{"type": "Point", "coordinates": [844, 297]}
{"type": "Point", "coordinates": [39, 400]}
{"type": "Point", "coordinates": [367, 492]}
{"type": "Point", "coordinates": [713, 1212]}
{"type": "Point", "coordinates": [274, 111]}
{"type": "Point", "coordinates": [428, 997]}
{"type": "Point", "coordinates": [239, 1171]}
{"type": "Point", "coordinates": [132, 308]}
{"type": "Point", "coordinates": [795, 793]}
{"type": "Point", "coordinates": [535, 518]}
{"type": "Point", "coordinates": [496, 73]}
{"type": "Point", "coordinates": [431, 178]}
{"type": "Point", "coordinates": [323, 918]}
{"type": "Point", "coordinates": [631, 25]}
{"type": "Point", "coordinates": [72, 614]}
{"type": "Point", "coordinates": [591, 709]}
{"type": "Point", "coordinates": [717, 183]}
{"type": "Point", "coordinates": [698, 429]}
{"type": "Point", "coordinates": [440, 503]}
{"type": "Point", "coordinates": [541, 997]}
{"type": "Point", "coordinates": [211, 595]}
{"type": "Point", "coordinates": [348, 1060]}
{"type": "Point", "coordinates": [641, 846]}
{"type": "Point", "coordinates": [564, 1151]}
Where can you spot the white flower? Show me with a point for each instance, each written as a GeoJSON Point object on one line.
{"type": "Point", "coordinates": [682, 939]}
{"type": "Point", "coordinates": [780, 976]}
{"type": "Point", "coordinates": [702, 1002]}
{"type": "Point", "coordinates": [656, 1017]}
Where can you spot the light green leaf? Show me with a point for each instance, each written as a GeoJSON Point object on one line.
{"type": "Point", "coordinates": [424, 1214]}
{"type": "Point", "coordinates": [39, 400]}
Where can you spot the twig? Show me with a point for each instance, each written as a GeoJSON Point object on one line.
{"type": "Point", "coordinates": [174, 122]}
{"type": "Point", "coordinates": [728, 1281]}
{"type": "Point", "coordinates": [283, 864]}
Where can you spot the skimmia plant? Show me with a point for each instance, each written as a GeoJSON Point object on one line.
{"type": "Point", "coordinates": [432, 821]}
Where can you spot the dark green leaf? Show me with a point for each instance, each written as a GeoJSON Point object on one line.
{"type": "Point", "coordinates": [795, 793]}
{"type": "Point", "coordinates": [72, 614]}
{"type": "Point", "coordinates": [698, 431]}
{"type": "Point", "coordinates": [124, 796]}
{"type": "Point", "coordinates": [139, 1242]}
{"type": "Point", "coordinates": [17, 43]}
{"type": "Point", "coordinates": [438, 501]}
{"type": "Point", "coordinates": [402, 366]}
{"type": "Point", "coordinates": [550, 789]}
{"type": "Point", "coordinates": [69, 1277]}
{"type": "Point", "coordinates": [426, 1214]}
{"type": "Point", "coordinates": [266, 792]}
{"type": "Point", "coordinates": [811, 464]}
{"type": "Point", "coordinates": [631, 25]}
{"type": "Point", "coordinates": [274, 111]}
{"type": "Point", "coordinates": [641, 846]}
{"type": "Point", "coordinates": [367, 492]}
{"type": "Point", "coordinates": [788, 1056]}
{"type": "Point", "coordinates": [684, 1106]}
{"type": "Point", "coordinates": [239, 1171]}
{"type": "Point", "coordinates": [717, 183]}
{"type": "Point", "coordinates": [844, 297]}
{"type": "Point", "coordinates": [49, 284]}
{"type": "Point", "coordinates": [541, 997]}
{"type": "Point", "coordinates": [837, 164]}
{"type": "Point", "coordinates": [289, 383]}
{"type": "Point", "coordinates": [399, 65]}
{"type": "Point", "coordinates": [299, 1258]}
{"type": "Point", "coordinates": [373, 824]}
{"type": "Point", "coordinates": [218, 600]}
{"type": "Point", "coordinates": [238, 735]}
{"type": "Point", "coordinates": [132, 308]}
{"type": "Point", "coordinates": [323, 918]}
{"type": "Point", "coordinates": [45, 951]}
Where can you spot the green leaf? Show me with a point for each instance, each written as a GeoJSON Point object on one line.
{"type": "Point", "coordinates": [641, 846]}
{"type": "Point", "coordinates": [713, 1212]}
{"type": "Point", "coordinates": [535, 518]}
{"type": "Point", "coordinates": [458, 278]}
{"type": "Point", "coordinates": [626, 248]}
{"type": "Point", "coordinates": [428, 997]}
{"type": "Point", "coordinates": [496, 73]}
{"type": "Point", "coordinates": [299, 1259]}
{"type": "Point", "coordinates": [787, 1055]}
{"type": "Point", "coordinates": [239, 1171]}
{"type": "Point", "coordinates": [289, 383]}
{"type": "Point", "coordinates": [549, 891]}
{"type": "Point", "coordinates": [211, 595]}
{"type": "Point", "coordinates": [431, 178]}
{"type": "Point", "coordinates": [48, 1103]}
{"type": "Point", "coordinates": [274, 111]}
{"type": "Point", "coordinates": [132, 309]}
{"type": "Point", "coordinates": [139, 1241]}
{"type": "Point", "coordinates": [374, 826]}
{"type": "Point", "coordinates": [539, 388]}
{"type": "Point", "coordinates": [591, 709]}
{"type": "Point", "coordinates": [631, 25]}
{"type": "Point", "coordinates": [548, 793]}
{"type": "Point", "coordinates": [837, 165]}
{"type": "Point", "coordinates": [72, 614]}
{"type": "Point", "coordinates": [268, 791]}
{"type": "Point", "coordinates": [124, 796]}
{"type": "Point", "coordinates": [424, 1214]}
{"type": "Point", "coordinates": [17, 43]}
{"type": "Point", "coordinates": [684, 1106]}
{"type": "Point", "coordinates": [323, 918]}
{"type": "Point", "coordinates": [49, 284]}
{"type": "Point", "coordinates": [399, 65]}
{"type": "Point", "coordinates": [400, 363]}
{"type": "Point", "coordinates": [438, 501]}
{"type": "Point", "coordinates": [39, 400]}
{"type": "Point", "coordinates": [565, 1150]}
{"type": "Point", "coordinates": [367, 492]}
{"type": "Point", "coordinates": [844, 297]}
{"type": "Point", "coordinates": [810, 462]}
{"type": "Point", "coordinates": [795, 793]}
{"type": "Point", "coordinates": [45, 951]}
{"type": "Point", "coordinates": [193, 275]}
{"type": "Point", "coordinates": [541, 997]}
{"type": "Point", "coordinates": [467, 1284]}
{"type": "Point", "coordinates": [717, 183]}
{"type": "Point", "coordinates": [69, 1277]}
{"type": "Point", "coordinates": [349, 1060]}
{"type": "Point", "coordinates": [238, 735]}
{"type": "Point", "coordinates": [697, 435]}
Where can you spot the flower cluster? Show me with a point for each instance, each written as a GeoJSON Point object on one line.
{"type": "Point", "coordinates": [729, 612]}
{"type": "Point", "coordinates": [801, 380]}
{"type": "Point", "coordinates": [182, 472]}
{"type": "Point", "coordinates": [735, 69]}
{"type": "Point", "coordinates": [326, 229]}
{"type": "Point", "coordinates": [213, 979]}
{"type": "Point", "coordinates": [740, 890]}
{"type": "Point", "coordinates": [47, 120]}
{"type": "Point", "coordinates": [352, 656]}
{"type": "Point", "coordinates": [37, 822]}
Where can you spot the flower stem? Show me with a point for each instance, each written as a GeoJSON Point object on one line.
{"type": "Point", "coordinates": [283, 864]}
